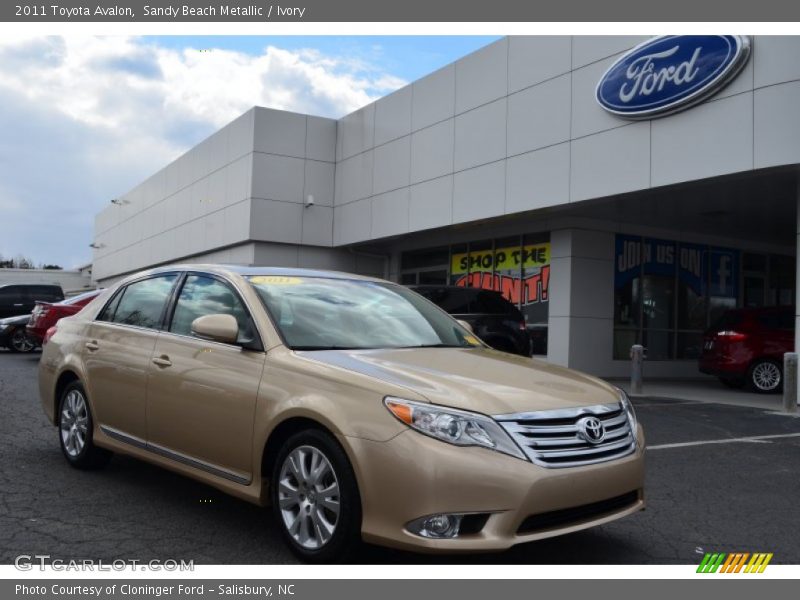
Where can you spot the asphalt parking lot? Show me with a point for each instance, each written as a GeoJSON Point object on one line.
{"type": "Point", "coordinates": [740, 493]}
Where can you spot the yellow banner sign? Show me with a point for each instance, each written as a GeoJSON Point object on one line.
{"type": "Point", "coordinates": [501, 259]}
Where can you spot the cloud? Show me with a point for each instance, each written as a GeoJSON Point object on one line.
{"type": "Point", "coordinates": [86, 118]}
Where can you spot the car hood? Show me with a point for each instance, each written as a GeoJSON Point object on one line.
{"type": "Point", "coordinates": [476, 379]}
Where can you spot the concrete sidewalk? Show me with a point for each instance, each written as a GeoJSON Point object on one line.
{"type": "Point", "coordinates": [702, 390]}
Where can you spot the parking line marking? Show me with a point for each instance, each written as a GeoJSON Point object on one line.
{"type": "Point", "coordinates": [753, 438]}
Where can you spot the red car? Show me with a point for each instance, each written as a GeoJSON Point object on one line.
{"type": "Point", "coordinates": [47, 314]}
{"type": "Point", "coordinates": [746, 347]}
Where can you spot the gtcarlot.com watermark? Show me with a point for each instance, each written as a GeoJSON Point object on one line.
{"type": "Point", "coordinates": [43, 562]}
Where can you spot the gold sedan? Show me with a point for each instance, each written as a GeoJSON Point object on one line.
{"type": "Point", "coordinates": [355, 407]}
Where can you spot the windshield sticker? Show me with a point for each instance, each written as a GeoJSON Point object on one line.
{"type": "Point", "coordinates": [275, 280]}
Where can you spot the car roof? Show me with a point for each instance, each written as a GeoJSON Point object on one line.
{"type": "Point", "coordinates": [250, 271]}
{"type": "Point", "coordinates": [27, 284]}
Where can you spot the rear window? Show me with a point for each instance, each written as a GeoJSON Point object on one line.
{"type": "Point", "coordinates": [492, 303]}
{"type": "Point", "coordinates": [452, 301]}
{"type": "Point", "coordinates": [728, 321]}
{"type": "Point", "coordinates": [776, 320]}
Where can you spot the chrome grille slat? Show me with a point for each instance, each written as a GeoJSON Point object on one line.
{"type": "Point", "coordinates": [562, 445]}
{"type": "Point", "coordinates": [575, 440]}
{"type": "Point", "coordinates": [600, 448]}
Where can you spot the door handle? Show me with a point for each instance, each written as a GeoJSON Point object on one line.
{"type": "Point", "coordinates": [19, 304]}
{"type": "Point", "coordinates": [92, 346]}
{"type": "Point", "coordinates": [162, 361]}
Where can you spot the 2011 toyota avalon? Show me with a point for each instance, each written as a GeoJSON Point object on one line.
{"type": "Point", "coordinates": [355, 407]}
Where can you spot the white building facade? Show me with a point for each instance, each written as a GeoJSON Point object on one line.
{"type": "Point", "coordinates": [503, 170]}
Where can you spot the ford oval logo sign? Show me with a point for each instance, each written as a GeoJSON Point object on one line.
{"type": "Point", "coordinates": [671, 73]}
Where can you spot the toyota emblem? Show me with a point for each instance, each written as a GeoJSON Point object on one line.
{"type": "Point", "coordinates": [592, 430]}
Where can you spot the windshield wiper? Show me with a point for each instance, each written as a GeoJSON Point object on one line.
{"type": "Point", "coordinates": [307, 348]}
{"type": "Point", "coordinates": [437, 346]}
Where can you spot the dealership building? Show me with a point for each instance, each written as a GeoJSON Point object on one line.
{"type": "Point", "coordinates": [619, 189]}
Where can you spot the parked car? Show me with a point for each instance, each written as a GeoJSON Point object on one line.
{"type": "Point", "coordinates": [13, 335]}
{"type": "Point", "coordinates": [47, 314]}
{"type": "Point", "coordinates": [353, 406]}
{"type": "Point", "coordinates": [20, 298]}
{"type": "Point", "coordinates": [746, 347]}
{"type": "Point", "coordinates": [493, 318]}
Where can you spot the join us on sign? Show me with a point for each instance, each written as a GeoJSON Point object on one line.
{"type": "Point", "coordinates": [671, 73]}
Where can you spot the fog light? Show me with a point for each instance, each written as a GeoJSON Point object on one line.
{"type": "Point", "coordinates": [436, 526]}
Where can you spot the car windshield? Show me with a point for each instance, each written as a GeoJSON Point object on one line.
{"type": "Point", "coordinates": [318, 313]}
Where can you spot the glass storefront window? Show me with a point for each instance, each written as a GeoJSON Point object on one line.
{"type": "Point", "coordinates": [667, 293]}
{"type": "Point", "coordinates": [781, 281]}
{"type": "Point", "coordinates": [459, 264]}
{"type": "Point", "coordinates": [627, 282]}
{"type": "Point", "coordinates": [517, 267]}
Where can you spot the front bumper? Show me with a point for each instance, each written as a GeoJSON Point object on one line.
{"type": "Point", "coordinates": [721, 366]}
{"type": "Point", "coordinates": [413, 475]}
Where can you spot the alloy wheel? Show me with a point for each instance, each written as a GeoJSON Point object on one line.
{"type": "Point", "coordinates": [20, 342]}
{"type": "Point", "coordinates": [308, 497]}
{"type": "Point", "coordinates": [74, 423]}
{"type": "Point", "coordinates": [766, 376]}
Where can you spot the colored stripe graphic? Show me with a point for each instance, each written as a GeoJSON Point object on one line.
{"type": "Point", "coordinates": [711, 563]}
{"type": "Point", "coordinates": [735, 562]}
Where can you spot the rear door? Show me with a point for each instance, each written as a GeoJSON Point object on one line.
{"type": "Point", "coordinates": [202, 395]}
{"type": "Point", "coordinates": [117, 355]}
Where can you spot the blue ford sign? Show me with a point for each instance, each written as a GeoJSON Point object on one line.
{"type": "Point", "coordinates": [671, 73]}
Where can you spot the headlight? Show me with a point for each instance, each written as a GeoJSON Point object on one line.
{"type": "Point", "coordinates": [628, 408]}
{"type": "Point", "coordinates": [457, 427]}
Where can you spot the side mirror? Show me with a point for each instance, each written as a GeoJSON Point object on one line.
{"type": "Point", "coordinates": [466, 326]}
{"type": "Point", "coordinates": [216, 328]}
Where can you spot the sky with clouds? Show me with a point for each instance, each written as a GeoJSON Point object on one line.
{"type": "Point", "coordinates": [84, 119]}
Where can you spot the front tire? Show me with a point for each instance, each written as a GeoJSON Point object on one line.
{"type": "Point", "coordinates": [18, 342]}
{"type": "Point", "coordinates": [765, 377]}
{"type": "Point", "coordinates": [315, 498]}
{"type": "Point", "coordinates": [75, 429]}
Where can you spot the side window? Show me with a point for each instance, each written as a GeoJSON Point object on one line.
{"type": "Point", "coordinates": [108, 312]}
{"type": "Point", "coordinates": [202, 296]}
{"type": "Point", "coordinates": [10, 295]}
{"type": "Point", "coordinates": [142, 302]}
{"type": "Point", "coordinates": [46, 293]}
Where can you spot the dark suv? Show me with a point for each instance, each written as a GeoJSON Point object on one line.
{"type": "Point", "coordinates": [20, 298]}
{"type": "Point", "coordinates": [493, 318]}
{"type": "Point", "coordinates": [746, 347]}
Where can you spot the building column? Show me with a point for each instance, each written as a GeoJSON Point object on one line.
{"type": "Point", "coordinates": [797, 270]}
{"type": "Point", "coordinates": [581, 313]}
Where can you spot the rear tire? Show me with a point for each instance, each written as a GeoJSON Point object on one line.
{"type": "Point", "coordinates": [75, 430]}
{"type": "Point", "coordinates": [765, 376]}
{"type": "Point", "coordinates": [315, 498]}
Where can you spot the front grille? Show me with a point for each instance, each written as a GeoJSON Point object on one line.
{"type": "Point", "coordinates": [555, 438]}
{"type": "Point", "coordinates": [577, 514]}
